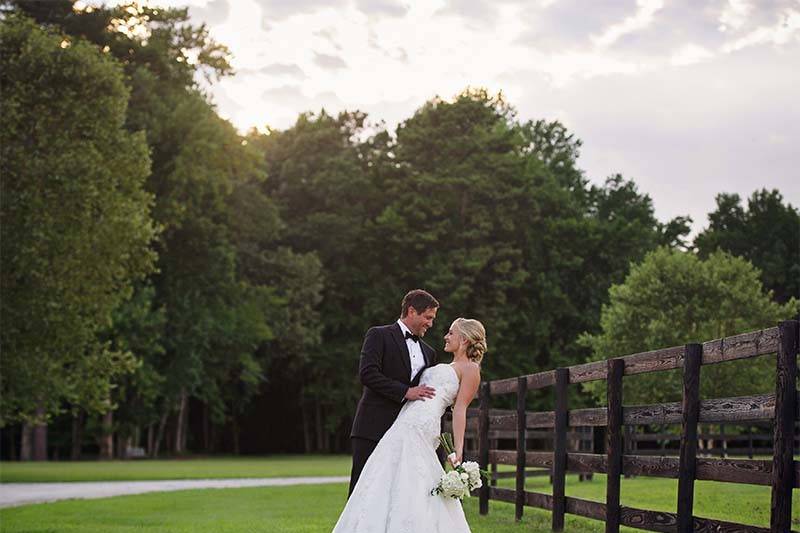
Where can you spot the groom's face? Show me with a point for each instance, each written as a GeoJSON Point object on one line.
{"type": "Point", "coordinates": [419, 323]}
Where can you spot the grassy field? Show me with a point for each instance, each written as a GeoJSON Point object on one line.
{"type": "Point", "coordinates": [299, 509]}
{"type": "Point", "coordinates": [234, 467]}
{"type": "Point", "coordinates": [315, 508]}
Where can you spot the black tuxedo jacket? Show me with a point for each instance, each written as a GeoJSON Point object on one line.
{"type": "Point", "coordinates": [385, 369]}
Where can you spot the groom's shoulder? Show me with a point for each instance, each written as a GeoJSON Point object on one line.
{"type": "Point", "coordinates": [386, 328]}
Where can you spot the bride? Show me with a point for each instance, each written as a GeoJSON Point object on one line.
{"type": "Point", "coordinates": [393, 493]}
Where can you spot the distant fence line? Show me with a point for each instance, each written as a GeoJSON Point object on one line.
{"type": "Point", "coordinates": [780, 408]}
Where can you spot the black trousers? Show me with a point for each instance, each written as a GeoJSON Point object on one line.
{"type": "Point", "coordinates": [362, 449]}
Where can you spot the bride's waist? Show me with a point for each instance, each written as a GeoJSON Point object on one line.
{"type": "Point", "coordinates": [429, 412]}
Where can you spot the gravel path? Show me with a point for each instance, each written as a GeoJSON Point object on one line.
{"type": "Point", "coordinates": [13, 494]}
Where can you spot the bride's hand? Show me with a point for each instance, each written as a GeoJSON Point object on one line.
{"type": "Point", "coordinates": [455, 459]}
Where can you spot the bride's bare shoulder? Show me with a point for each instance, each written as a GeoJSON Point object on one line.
{"type": "Point", "coordinates": [469, 369]}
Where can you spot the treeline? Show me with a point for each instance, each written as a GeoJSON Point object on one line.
{"type": "Point", "coordinates": [172, 285]}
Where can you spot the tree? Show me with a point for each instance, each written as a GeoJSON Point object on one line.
{"type": "Point", "coordinates": [767, 233]}
{"type": "Point", "coordinates": [76, 225]}
{"type": "Point", "coordinates": [213, 321]}
{"type": "Point", "coordinates": [508, 227]}
{"type": "Point", "coordinates": [320, 182]}
{"type": "Point", "coordinates": [673, 298]}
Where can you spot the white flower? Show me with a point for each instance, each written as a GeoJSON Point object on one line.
{"type": "Point", "coordinates": [470, 466]}
{"type": "Point", "coordinates": [460, 481]}
{"type": "Point", "coordinates": [452, 485]}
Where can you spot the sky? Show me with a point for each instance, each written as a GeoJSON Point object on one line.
{"type": "Point", "coordinates": [689, 98]}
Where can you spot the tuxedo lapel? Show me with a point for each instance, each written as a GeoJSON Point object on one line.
{"type": "Point", "coordinates": [401, 343]}
{"type": "Point", "coordinates": [427, 352]}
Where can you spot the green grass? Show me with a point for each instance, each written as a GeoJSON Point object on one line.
{"type": "Point", "coordinates": [315, 508]}
{"type": "Point", "coordinates": [298, 509]}
{"type": "Point", "coordinates": [745, 504]}
{"type": "Point", "coordinates": [277, 466]}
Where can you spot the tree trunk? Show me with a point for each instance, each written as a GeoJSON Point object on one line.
{"type": "Point", "coordinates": [179, 425]}
{"type": "Point", "coordinates": [77, 435]}
{"type": "Point", "coordinates": [40, 439]}
{"type": "Point", "coordinates": [212, 438]}
{"type": "Point", "coordinates": [150, 437]}
{"type": "Point", "coordinates": [306, 426]}
{"type": "Point", "coordinates": [12, 443]}
{"type": "Point", "coordinates": [320, 436]}
{"type": "Point", "coordinates": [25, 445]}
{"type": "Point", "coordinates": [235, 427]}
{"type": "Point", "coordinates": [106, 439]}
{"type": "Point", "coordinates": [161, 424]}
{"type": "Point", "coordinates": [206, 428]}
{"type": "Point", "coordinates": [185, 427]}
{"type": "Point", "coordinates": [123, 443]}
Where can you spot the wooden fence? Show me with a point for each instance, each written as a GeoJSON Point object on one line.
{"type": "Point", "coordinates": [579, 440]}
{"type": "Point", "coordinates": [782, 473]}
{"type": "Point", "coordinates": [756, 441]}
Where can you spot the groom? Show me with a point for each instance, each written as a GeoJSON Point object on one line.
{"type": "Point", "coordinates": [392, 360]}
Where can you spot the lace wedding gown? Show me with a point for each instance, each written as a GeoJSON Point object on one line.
{"type": "Point", "coordinates": [393, 492]}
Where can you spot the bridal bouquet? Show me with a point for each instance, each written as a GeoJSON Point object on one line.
{"type": "Point", "coordinates": [462, 478]}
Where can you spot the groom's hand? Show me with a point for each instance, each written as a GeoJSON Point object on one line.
{"type": "Point", "coordinates": [420, 392]}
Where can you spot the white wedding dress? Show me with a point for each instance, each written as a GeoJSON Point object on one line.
{"type": "Point", "coordinates": [393, 492]}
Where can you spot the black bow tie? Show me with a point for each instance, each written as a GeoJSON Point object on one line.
{"type": "Point", "coordinates": [411, 336]}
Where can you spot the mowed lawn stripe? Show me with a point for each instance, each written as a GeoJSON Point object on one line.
{"type": "Point", "coordinates": [138, 470]}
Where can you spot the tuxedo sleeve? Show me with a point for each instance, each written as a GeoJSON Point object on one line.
{"type": "Point", "coordinates": [370, 369]}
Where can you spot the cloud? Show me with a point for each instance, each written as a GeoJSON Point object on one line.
{"type": "Point", "coordinates": [390, 8]}
{"type": "Point", "coordinates": [329, 62]}
{"type": "Point", "coordinates": [288, 94]}
{"type": "Point", "coordinates": [718, 26]}
{"type": "Point", "coordinates": [783, 31]}
{"type": "Point", "coordinates": [329, 36]}
{"type": "Point", "coordinates": [482, 12]}
{"type": "Point", "coordinates": [684, 133]}
{"type": "Point", "coordinates": [275, 10]}
{"type": "Point", "coordinates": [690, 54]}
{"type": "Point", "coordinates": [281, 69]}
{"type": "Point", "coordinates": [291, 100]}
{"type": "Point", "coordinates": [214, 12]}
{"type": "Point", "coordinates": [569, 24]}
{"type": "Point", "coordinates": [641, 19]}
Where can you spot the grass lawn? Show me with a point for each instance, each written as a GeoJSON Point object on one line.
{"type": "Point", "coordinates": [745, 504]}
{"type": "Point", "coordinates": [216, 468]}
{"type": "Point", "coordinates": [301, 509]}
{"type": "Point", "coordinates": [297, 509]}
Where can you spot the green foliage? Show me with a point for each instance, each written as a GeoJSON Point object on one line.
{"type": "Point", "coordinates": [157, 39]}
{"type": "Point", "coordinates": [673, 298]}
{"type": "Point", "coordinates": [489, 214]}
{"type": "Point", "coordinates": [76, 224]}
{"type": "Point", "coordinates": [767, 233]}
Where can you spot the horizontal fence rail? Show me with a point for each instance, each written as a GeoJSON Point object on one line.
{"type": "Point", "coordinates": [565, 433]}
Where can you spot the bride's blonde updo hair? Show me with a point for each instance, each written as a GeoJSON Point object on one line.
{"type": "Point", "coordinates": [475, 334]}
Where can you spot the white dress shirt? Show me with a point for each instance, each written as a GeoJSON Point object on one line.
{"type": "Point", "coordinates": [414, 351]}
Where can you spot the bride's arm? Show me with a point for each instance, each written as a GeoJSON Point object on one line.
{"type": "Point", "coordinates": [470, 381]}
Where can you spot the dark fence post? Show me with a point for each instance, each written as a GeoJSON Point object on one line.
{"type": "Point", "coordinates": [522, 394]}
{"type": "Point", "coordinates": [692, 359]}
{"type": "Point", "coordinates": [560, 449]}
{"type": "Point", "coordinates": [785, 399]}
{"type": "Point", "coordinates": [483, 445]}
{"type": "Point", "coordinates": [493, 446]}
{"type": "Point", "coordinates": [614, 443]}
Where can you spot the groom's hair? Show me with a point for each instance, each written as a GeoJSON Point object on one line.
{"type": "Point", "coordinates": [420, 300]}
